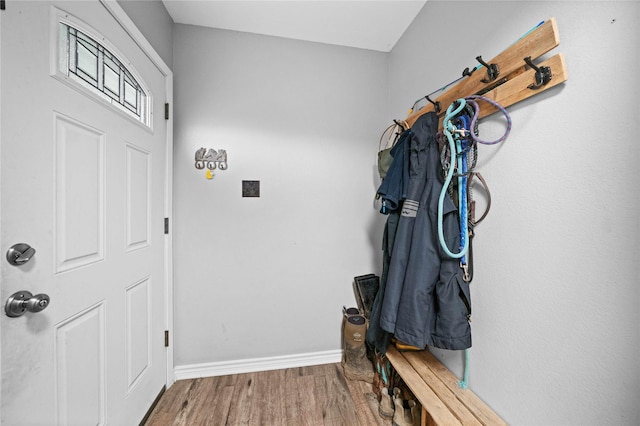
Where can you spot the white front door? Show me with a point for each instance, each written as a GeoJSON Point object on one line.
{"type": "Point", "coordinates": [83, 183]}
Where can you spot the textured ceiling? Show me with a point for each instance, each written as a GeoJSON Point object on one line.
{"type": "Point", "coordinates": [366, 24]}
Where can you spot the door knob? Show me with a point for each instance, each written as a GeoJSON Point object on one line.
{"type": "Point", "coordinates": [23, 301]}
{"type": "Point", "coordinates": [20, 254]}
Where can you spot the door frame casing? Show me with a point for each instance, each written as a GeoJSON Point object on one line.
{"type": "Point", "coordinates": [0, 203]}
{"type": "Point", "coordinates": [130, 27]}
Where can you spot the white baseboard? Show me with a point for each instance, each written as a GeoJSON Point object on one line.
{"type": "Point", "coordinates": [224, 368]}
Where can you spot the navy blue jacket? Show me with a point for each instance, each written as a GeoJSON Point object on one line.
{"type": "Point", "coordinates": [425, 301]}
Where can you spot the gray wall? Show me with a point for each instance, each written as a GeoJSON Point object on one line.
{"type": "Point", "coordinates": [555, 295]}
{"type": "Point", "coordinates": [155, 23]}
{"type": "Point", "coordinates": [267, 277]}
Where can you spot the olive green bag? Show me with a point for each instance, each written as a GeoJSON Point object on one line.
{"type": "Point", "coordinates": [384, 154]}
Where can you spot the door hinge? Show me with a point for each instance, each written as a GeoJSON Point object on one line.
{"type": "Point", "coordinates": [3, 6]}
{"type": "Point", "coordinates": [166, 225]}
{"type": "Point", "coordinates": [166, 338]}
{"type": "Point", "coordinates": [166, 111]}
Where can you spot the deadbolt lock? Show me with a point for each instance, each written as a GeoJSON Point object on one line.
{"type": "Point", "coordinates": [20, 253]}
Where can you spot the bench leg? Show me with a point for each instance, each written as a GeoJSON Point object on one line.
{"type": "Point", "coordinates": [426, 419]}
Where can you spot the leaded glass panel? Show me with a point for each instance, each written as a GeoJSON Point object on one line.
{"type": "Point", "coordinates": [87, 61]}
{"type": "Point", "coordinates": [112, 78]}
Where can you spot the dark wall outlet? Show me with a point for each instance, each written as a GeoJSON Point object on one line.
{"type": "Point", "coordinates": [250, 188]}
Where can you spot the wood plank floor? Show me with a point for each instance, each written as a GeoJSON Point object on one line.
{"type": "Point", "coordinates": [315, 395]}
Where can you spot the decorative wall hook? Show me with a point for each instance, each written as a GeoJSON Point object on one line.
{"type": "Point", "coordinates": [211, 159]}
{"type": "Point", "coordinates": [543, 74]}
{"type": "Point", "coordinates": [492, 70]}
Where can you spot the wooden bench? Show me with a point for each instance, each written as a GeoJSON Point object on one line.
{"type": "Point", "coordinates": [443, 402]}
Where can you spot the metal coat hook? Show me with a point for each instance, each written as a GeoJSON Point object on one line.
{"type": "Point", "coordinates": [543, 74]}
{"type": "Point", "coordinates": [492, 70]}
{"type": "Point", "coordinates": [467, 72]}
{"type": "Point", "coordinates": [436, 105]}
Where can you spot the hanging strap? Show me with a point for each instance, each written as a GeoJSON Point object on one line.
{"type": "Point", "coordinates": [463, 145]}
{"type": "Point", "coordinates": [472, 217]}
{"type": "Point", "coordinates": [467, 269]}
{"type": "Point", "coordinates": [474, 121]}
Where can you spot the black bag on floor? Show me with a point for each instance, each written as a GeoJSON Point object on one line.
{"type": "Point", "coordinates": [365, 288]}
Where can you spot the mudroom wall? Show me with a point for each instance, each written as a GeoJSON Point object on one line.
{"type": "Point", "coordinates": [262, 280]}
{"type": "Point", "coordinates": [555, 290]}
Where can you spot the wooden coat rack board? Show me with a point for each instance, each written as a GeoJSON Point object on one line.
{"type": "Point", "coordinates": [516, 79]}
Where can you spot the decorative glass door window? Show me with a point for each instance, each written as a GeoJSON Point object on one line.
{"type": "Point", "coordinates": [87, 62]}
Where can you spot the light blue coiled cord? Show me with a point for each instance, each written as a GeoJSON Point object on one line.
{"type": "Point", "coordinates": [449, 129]}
